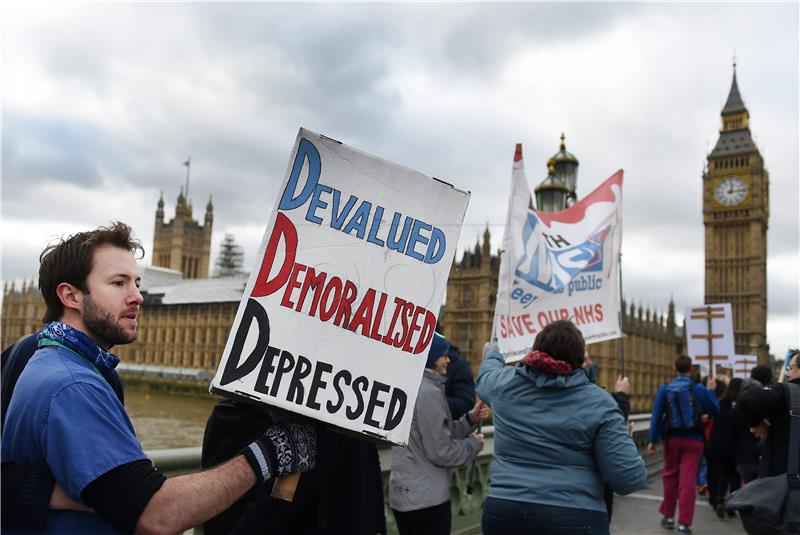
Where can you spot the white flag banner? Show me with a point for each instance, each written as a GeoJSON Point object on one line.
{"type": "Point", "coordinates": [336, 320]}
{"type": "Point", "coordinates": [743, 365]}
{"type": "Point", "coordinates": [559, 265]}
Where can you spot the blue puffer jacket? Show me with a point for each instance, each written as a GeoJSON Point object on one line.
{"type": "Point", "coordinates": [557, 438]}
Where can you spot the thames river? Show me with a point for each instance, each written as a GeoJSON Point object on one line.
{"type": "Point", "coordinates": [167, 420]}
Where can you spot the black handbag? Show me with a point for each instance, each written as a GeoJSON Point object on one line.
{"type": "Point", "coordinates": [771, 505]}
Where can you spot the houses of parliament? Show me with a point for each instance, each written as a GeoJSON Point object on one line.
{"type": "Point", "coordinates": [186, 314]}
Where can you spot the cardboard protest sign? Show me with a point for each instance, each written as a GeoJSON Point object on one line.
{"type": "Point", "coordinates": [337, 317]}
{"type": "Point", "coordinates": [559, 265]}
{"type": "Point", "coordinates": [743, 365]}
{"type": "Point", "coordinates": [709, 335]}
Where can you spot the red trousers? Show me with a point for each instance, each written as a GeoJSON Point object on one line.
{"type": "Point", "coordinates": [681, 460]}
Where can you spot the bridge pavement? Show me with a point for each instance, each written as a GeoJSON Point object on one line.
{"type": "Point", "coordinates": [637, 514]}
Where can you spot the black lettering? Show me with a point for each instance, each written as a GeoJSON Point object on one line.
{"type": "Point", "coordinates": [267, 367]}
{"type": "Point", "coordinates": [301, 371]}
{"type": "Point", "coordinates": [377, 388]}
{"type": "Point", "coordinates": [397, 407]}
{"type": "Point", "coordinates": [252, 311]}
{"type": "Point", "coordinates": [353, 414]}
{"type": "Point", "coordinates": [334, 407]}
{"type": "Point", "coordinates": [317, 383]}
{"type": "Point", "coordinates": [286, 363]}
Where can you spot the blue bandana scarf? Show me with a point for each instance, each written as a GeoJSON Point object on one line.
{"type": "Point", "coordinates": [81, 344]}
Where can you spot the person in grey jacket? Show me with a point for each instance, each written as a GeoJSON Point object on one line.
{"type": "Point", "coordinates": [558, 438]}
{"type": "Point", "coordinates": [419, 484]}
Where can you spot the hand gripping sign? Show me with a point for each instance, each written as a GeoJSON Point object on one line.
{"type": "Point", "coordinates": [337, 317]}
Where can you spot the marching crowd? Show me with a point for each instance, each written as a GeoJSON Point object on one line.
{"type": "Point", "coordinates": [562, 448]}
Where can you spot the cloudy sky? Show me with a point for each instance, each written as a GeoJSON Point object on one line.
{"type": "Point", "coordinates": [102, 103]}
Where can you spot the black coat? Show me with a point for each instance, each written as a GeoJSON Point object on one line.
{"type": "Point", "coordinates": [342, 495]}
{"type": "Point", "coordinates": [769, 402]}
{"type": "Point", "coordinates": [459, 388]}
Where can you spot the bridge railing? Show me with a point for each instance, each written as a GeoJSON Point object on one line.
{"type": "Point", "coordinates": [466, 506]}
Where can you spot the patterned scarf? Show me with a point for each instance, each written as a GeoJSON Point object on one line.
{"type": "Point", "coordinates": [544, 363]}
{"type": "Point", "coordinates": [81, 344]}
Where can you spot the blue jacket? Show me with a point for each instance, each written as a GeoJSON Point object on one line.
{"type": "Point", "coordinates": [707, 399]}
{"type": "Point", "coordinates": [557, 438]}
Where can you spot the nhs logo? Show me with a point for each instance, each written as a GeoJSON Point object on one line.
{"type": "Point", "coordinates": [550, 262]}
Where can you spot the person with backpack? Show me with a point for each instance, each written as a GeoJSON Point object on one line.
{"type": "Point", "coordinates": [677, 418]}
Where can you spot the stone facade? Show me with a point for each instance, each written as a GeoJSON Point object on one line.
{"type": "Point", "coordinates": [183, 244]}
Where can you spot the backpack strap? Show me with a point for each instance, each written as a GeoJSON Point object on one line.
{"type": "Point", "coordinates": [793, 461]}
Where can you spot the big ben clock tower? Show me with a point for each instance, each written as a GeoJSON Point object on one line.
{"type": "Point", "coordinates": [735, 215]}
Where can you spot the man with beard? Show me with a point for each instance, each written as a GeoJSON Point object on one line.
{"type": "Point", "coordinates": [64, 414]}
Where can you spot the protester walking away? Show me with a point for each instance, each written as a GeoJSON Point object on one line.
{"type": "Point", "coordinates": [459, 388]}
{"type": "Point", "coordinates": [558, 438]}
{"type": "Point", "coordinates": [677, 419]}
{"type": "Point", "coordinates": [65, 415]}
{"type": "Point", "coordinates": [342, 495]}
{"type": "Point", "coordinates": [419, 484]}
{"type": "Point", "coordinates": [748, 447]}
{"type": "Point", "coordinates": [767, 411]}
{"type": "Point", "coordinates": [723, 477]}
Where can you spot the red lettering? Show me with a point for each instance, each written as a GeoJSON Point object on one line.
{"type": "Point", "coordinates": [408, 310]}
{"type": "Point", "coordinates": [425, 335]}
{"type": "Point", "coordinates": [378, 317]}
{"type": "Point", "coordinates": [398, 306]}
{"type": "Point", "coordinates": [526, 319]}
{"type": "Point", "coordinates": [335, 285]}
{"type": "Point", "coordinates": [283, 228]}
{"type": "Point", "coordinates": [311, 281]}
{"type": "Point", "coordinates": [287, 293]}
{"type": "Point", "coordinates": [598, 310]}
{"type": "Point", "coordinates": [348, 297]}
{"type": "Point", "coordinates": [414, 328]}
{"type": "Point", "coordinates": [363, 316]}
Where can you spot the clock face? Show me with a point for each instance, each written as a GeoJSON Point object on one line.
{"type": "Point", "coordinates": [730, 191]}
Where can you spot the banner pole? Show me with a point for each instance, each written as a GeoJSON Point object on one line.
{"type": "Point", "coordinates": [621, 351]}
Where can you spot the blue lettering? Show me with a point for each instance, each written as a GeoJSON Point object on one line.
{"type": "Point", "coordinates": [416, 238]}
{"type": "Point", "coordinates": [317, 203]}
{"type": "Point", "coordinates": [392, 242]}
{"type": "Point", "coordinates": [437, 238]}
{"type": "Point", "coordinates": [373, 229]}
{"type": "Point", "coordinates": [337, 217]}
{"type": "Point", "coordinates": [306, 151]}
{"type": "Point", "coordinates": [359, 221]}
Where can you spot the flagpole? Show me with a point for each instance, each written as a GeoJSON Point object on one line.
{"type": "Point", "coordinates": [188, 164]}
{"type": "Point", "coordinates": [621, 351]}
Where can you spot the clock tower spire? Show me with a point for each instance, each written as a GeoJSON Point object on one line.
{"type": "Point", "coordinates": [735, 215]}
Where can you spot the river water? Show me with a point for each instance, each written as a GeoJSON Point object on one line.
{"type": "Point", "coordinates": [167, 420]}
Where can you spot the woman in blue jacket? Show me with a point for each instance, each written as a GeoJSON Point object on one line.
{"type": "Point", "coordinates": [558, 439]}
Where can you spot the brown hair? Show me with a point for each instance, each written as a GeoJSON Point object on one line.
{"type": "Point", "coordinates": [683, 364]}
{"type": "Point", "coordinates": [563, 341]}
{"type": "Point", "coordinates": [71, 261]}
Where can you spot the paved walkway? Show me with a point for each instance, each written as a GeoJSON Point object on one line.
{"type": "Point", "coordinates": [637, 514]}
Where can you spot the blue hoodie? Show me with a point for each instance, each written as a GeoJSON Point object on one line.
{"type": "Point", "coordinates": [557, 438]}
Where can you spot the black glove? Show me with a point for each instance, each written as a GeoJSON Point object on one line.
{"type": "Point", "coordinates": [283, 449]}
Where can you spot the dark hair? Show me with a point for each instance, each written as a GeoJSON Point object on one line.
{"type": "Point", "coordinates": [762, 373]}
{"type": "Point", "coordinates": [563, 341]}
{"type": "Point", "coordinates": [683, 364]}
{"type": "Point", "coordinates": [71, 261]}
{"type": "Point", "coordinates": [732, 391]}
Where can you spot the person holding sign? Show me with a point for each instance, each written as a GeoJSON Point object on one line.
{"type": "Point", "coordinates": [419, 485]}
{"type": "Point", "coordinates": [558, 438]}
{"type": "Point", "coordinates": [677, 418]}
{"type": "Point", "coordinates": [64, 414]}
